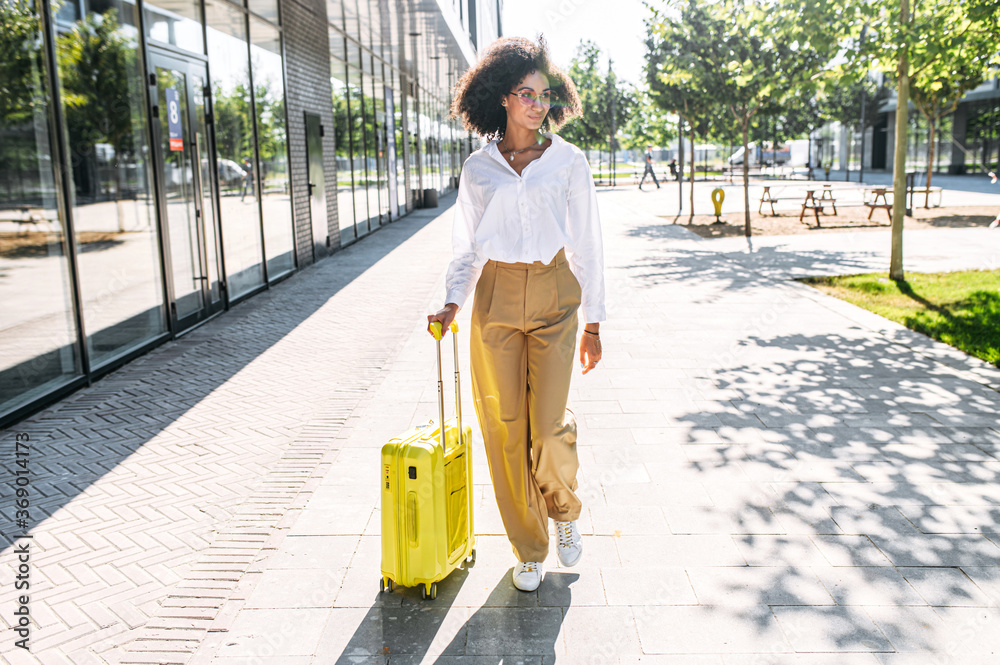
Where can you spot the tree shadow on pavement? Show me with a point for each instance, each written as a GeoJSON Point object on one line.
{"type": "Point", "coordinates": [860, 482]}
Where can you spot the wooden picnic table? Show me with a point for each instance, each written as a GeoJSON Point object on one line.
{"type": "Point", "coordinates": [768, 198]}
{"type": "Point", "coordinates": [879, 201]}
{"type": "Point", "coordinates": [818, 204]}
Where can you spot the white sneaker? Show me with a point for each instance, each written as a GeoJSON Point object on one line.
{"type": "Point", "coordinates": [569, 544]}
{"type": "Point", "coordinates": [528, 575]}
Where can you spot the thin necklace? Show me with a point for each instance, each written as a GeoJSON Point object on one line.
{"type": "Point", "coordinates": [514, 152]}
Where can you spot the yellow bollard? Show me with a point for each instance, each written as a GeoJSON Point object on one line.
{"type": "Point", "coordinates": [718, 196]}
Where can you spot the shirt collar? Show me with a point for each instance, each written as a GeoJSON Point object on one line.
{"type": "Point", "coordinates": [494, 151]}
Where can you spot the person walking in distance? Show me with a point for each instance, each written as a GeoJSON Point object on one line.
{"type": "Point", "coordinates": [649, 168]}
{"type": "Point", "coordinates": [527, 238]}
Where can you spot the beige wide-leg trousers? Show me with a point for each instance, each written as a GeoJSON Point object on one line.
{"type": "Point", "coordinates": [524, 323]}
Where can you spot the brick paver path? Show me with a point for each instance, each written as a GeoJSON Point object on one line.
{"type": "Point", "coordinates": [770, 475]}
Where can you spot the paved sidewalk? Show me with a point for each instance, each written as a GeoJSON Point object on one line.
{"type": "Point", "coordinates": [770, 476]}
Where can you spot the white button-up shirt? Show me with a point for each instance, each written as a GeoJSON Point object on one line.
{"type": "Point", "coordinates": [512, 218]}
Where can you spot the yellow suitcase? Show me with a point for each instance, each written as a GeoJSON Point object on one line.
{"type": "Point", "coordinates": [427, 496]}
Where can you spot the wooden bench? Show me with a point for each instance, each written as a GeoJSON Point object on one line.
{"type": "Point", "coordinates": [878, 193]}
{"type": "Point", "coordinates": [770, 199]}
{"type": "Point", "coordinates": [660, 177]}
{"type": "Point", "coordinates": [817, 205]}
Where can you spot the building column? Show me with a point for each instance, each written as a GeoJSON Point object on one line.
{"type": "Point", "coordinates": [959, 134]}
{"type": "Point", "coordinates": [308, 90]}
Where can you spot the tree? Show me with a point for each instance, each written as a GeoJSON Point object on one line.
{"type": "Point", "coordinates": [672, 73]}
{"type": "Point", "coordinates": [937, 87]}
{"type": "Point", "coordinates": [586, 130]}
{"type": "Point", "coordinates": [100, 75]}
{"type": "Point", "coordinates": [747, 53]}
{"type": "Point", "coordinates": [923, 46]}
{"type": "Point", "coordinates": [598, 93]}
{"type": "Point", "coordinates": [22, 96]}
{"type": "Point", "coordinates": [647, 125]}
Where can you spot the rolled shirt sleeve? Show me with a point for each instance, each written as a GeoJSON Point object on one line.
{"type": "Point", "coordinates": [465, 267]}
{"type": "Point", "coordinates": [585, 244]}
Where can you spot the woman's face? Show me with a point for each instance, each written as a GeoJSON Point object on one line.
{"type": "Point", "coordinates": [527, 105]}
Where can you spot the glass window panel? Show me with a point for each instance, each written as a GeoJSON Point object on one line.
{"type": "Point", "coordinates": [364, 23]}
{"type": "Point", "coordinates": [337, 48]}
{"type": "Point", "coordinates": [103, 90]}
{"type": "Point", "coordinates": [37, 328]}
{"type": "Point", "coordinates": [269, 98]}
{"type": "Point", "coordinates": [400, 140]}
{"type": "Point", "coordinates": [380, 144]}
{"type": "Point", "coordinates": [176, 22]}
{"type": "Point", "coordinates": [371, 153]}
{"type": "Point", "coordinates": [229, 67]}
{"type": "Point", "coordinates": [413, 143]}
{"type": "Point", "coordinates": [351, 26]}
{"type": "Point", "coordinates": [265, 9]}
{"type": "Point", "coordinates": [358, 152]}
{"type": "Point", "coordinates": [335, 12]}
{"type": "Point", "coordinates": [353, 53]}
{"type": "Point", "coordinates": [342, 143]}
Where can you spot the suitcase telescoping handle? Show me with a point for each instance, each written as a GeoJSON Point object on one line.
{"type": "Point", "coordinates": [436, 330]}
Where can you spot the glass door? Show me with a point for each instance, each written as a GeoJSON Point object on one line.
{"type": "Point", "coordinates": [186, 182]}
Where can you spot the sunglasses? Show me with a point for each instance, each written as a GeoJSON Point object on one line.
{"type": "Point", "coordinates": [529, 98]}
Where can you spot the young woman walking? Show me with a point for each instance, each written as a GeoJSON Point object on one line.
{"type": "Point", "coordinates": [527, 238]}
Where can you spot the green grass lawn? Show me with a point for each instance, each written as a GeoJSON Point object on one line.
{"type": "Point", "coordinates": [959, 308]}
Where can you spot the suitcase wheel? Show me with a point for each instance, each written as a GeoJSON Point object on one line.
{"type": "Point", "coordinates": [383, 585]}
{"type": "Point", "coordinates": [472, 557]}
{"type": "Point", "coordinates": [432, 593]}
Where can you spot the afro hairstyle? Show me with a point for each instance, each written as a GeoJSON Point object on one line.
{"type": "Point", "coordinates": [504, 64]}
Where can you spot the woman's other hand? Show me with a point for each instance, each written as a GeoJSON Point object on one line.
{"type": "Point", "coordinates": [444, 316]}
{"type": "Point", "coordinates": [590, 348]}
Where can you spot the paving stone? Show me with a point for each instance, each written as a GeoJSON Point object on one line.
{"type": "Point", "coordinates": [869, 585]}
{"type": "Point", "coordinates": [850, 550]}
{"type": "Point", "coordinates": [392, 631]}
{"type": "Point", "coordinates": [667, 551]}
{"type": "Point", "coordinates": [937, 658]}
{"type": "Point", "coordinates": [755, 586]}
{"type": "Point", "coordinates": [592, 635]}
{"type": "Point", "coordinates": [292, 632]}
{"type": "Point", "coordinates": [946, 587]}
{"type": "Point", "coordinates": [531, 631]}
{"type": "Point", "coordinates": [938, 550]}
{"type": "Point", "coordinates": [954, 519]}
{"type": "Point", "coordinates": [912, 629]}
{"type": "Point", "coordinates": [830, 629]}
{"type": "Point", "coordinates": [708, 630]}
{"type": "Point", "coordinates": [771, 550]}
{"type": "Point", "coordinates": [801, 659]}
{"type": "Point", "coordinates": [647, 585]}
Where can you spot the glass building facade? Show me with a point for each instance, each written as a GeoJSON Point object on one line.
{"type": "Point", "coordinates": [153, 172]}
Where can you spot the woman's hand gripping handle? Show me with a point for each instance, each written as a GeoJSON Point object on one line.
{"type": "Point", "coordinates": [443, 320]}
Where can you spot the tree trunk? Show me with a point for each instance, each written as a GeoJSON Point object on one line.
{"type": "Point", "coordinates": [932, 133]}
{"type": "Point", "coordinates": [899, 161]}
{"type": "Point", "coordinates": [691, 218]}
{"type": "Point", "coordinates": [680, 164]}
{"type": "Point", "coordinates": [746, 176]}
